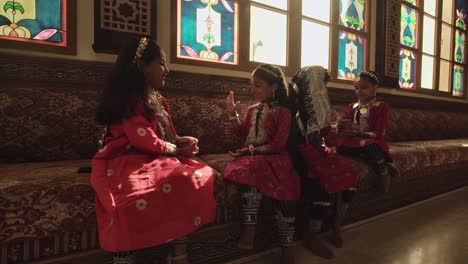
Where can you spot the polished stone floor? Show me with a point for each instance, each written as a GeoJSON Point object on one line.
{"type": "Point", "coordinates": [432, 232]}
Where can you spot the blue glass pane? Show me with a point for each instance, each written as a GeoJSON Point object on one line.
{"type": "Point", "coordinates": [460, 13]}
{"type": "Point", "coordinates": [458, 80]}
{"type": "Point", "coordinates": [409, 23]}
{"type": "Point", "coordinates": [32, 21]}
{"type": "Point", "coordinates": [459, 46]}
{"type": "Point", "coordinates": [407, 69]}
{"type": "Point", "coordinates": [353, 14]}
{"type": "Point", "coordinates": [208, 30]}
{"type": "Point", "coordinates": [351, 49]}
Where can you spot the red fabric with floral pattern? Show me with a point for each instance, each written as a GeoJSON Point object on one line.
{"type": "Point", "coordinates": [143, 196]}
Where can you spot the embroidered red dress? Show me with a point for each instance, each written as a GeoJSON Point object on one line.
{"type": "Point", "coordinates": [372, 122]}
{"type": "Point", "coordinates": [332, 171]}
{"type": "Point", "coordinates": [145, 196]}
{"type": "Point", "coordinates": [271, 169]}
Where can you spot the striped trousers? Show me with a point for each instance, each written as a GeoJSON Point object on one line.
{"type": "Point", "coordinates": [284, 213]}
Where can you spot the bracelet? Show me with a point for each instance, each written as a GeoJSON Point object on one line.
{"type": "Point", "coordinates": [251, 150]}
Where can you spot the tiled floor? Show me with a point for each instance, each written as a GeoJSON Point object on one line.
{"type": "Point", "coordinates": [434, 232]}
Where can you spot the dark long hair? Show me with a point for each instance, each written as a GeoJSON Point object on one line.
{"type": "Point", "coordinates": [274, 75]}
{"type": "Point", "coordinates": [126, 85]}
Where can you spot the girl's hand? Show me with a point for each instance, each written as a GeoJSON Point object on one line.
{"type": "Point", "coordinates": [188, 151]}
{"type": "Point", "coordinates": [240, 152]}
{"type": "Point", "coordinates": [231, 106]}
{"type": "Point", "coordinates": [330, 150]}
{"type": "Point", "coordinates": [185, 141]}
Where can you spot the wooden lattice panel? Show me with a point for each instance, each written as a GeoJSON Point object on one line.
{"type": "Point", "coordinates": [133, 16]}
{"type": "Point", "coordinates": [392, 60]}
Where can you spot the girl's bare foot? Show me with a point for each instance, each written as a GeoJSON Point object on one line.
{"type": "Point", "coordinates": [247, 237]}
{"type": "Point", "coordinates": [314, 244]}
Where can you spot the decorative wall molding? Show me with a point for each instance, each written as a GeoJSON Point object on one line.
{"type": "Point", "coordinates": [27, 70]}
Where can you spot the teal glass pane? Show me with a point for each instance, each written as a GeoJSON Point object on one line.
{"type": "Point", "coordinates": [353, 14]}
{"type": "Point", "coordinates": [351, 49]}
{"type": "Point", "coordinates": [459, 46]}
{"type": "Point", "coordinates": [208, 31]}
{"type": "Point", "coordinates": [409, 23]}
{"type": "Point", "coordinates": [39, 21]}
{"type": "Point", "coordinates": [407, 69]}
{"type": "Point", "coordinates": [460, 13]}
{"type": "Point", "coordinates": [458, 80]}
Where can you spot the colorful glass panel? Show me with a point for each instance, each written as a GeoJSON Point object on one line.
{"type": "Point", "coordinates": [351, 49]}
{"type": "Point", "coordinates": [36, 21]}
{"type": "Point", "coordinates": [459, 52]}
{"type": "Point", "coordinates": [413, 2]}
{"type": "Point", "coordinates": [353, 14]}
{"type": "Point", "coordinates": [207, 30]}
{"type": "Point", "coordinates": [409, 20]}
{"type": "Point", "coordinates": [458, 80]}
{"type": "Point", "coordinates": [407, 76]}
{"type": "Point", "coordinates": [460, 13]}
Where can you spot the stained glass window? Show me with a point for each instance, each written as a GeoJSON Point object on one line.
{"type": "Point", "coordinates": [207, 30]}
{"type": "Point", "coordinates": [427, 72]}
{"type": "Point", "coordinates": [413, 2]}
{"type": "Point", "coordinates": [444, 76]}
{"type": "Point", "coordinates": [409, 20]}
{"type": "Point", "coordinates": [315, 37]}
{"type": "Point", "coordinates": [352, 14]}
{"type": "Point", "coordinates": [351, 49]}
{"type": "Point", "coordinates": [460, 14]}
{"type": "Point", "coordinates": [319, 10]}
{"type": "Point", "coordinates": [458, 80]}
{"type": "Point", "coordinates": [266, 46]}
{"type": "Point", "coordinates": [407, 77]}
{"type": "Point", "coordinates": [459, 51]}
{"type": "Point", "coordinates": [34, 21]}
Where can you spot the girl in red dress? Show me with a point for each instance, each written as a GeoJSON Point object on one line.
{"type": "Point", "coordinates": [329, 182]}
{"type": "Point", "coordinates": [148, 190]}
{"type": "Point", "coordinates": [263, 166]}
{"type": "Point", "coordinates": [363, 129]}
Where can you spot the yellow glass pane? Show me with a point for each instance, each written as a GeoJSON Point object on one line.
{"type": "Point", "coordinates": [447, 11]}
{"type": "Point", "coordinates": [444, 76]}
{"type": "Point", "coordinates": [427, 72]}
{"type": "Point", "coordinates": [315, 44]}
{"type": "Point", "coordinates": [268, 35]}
{"type": "Point", "coordinates": [446, 42]}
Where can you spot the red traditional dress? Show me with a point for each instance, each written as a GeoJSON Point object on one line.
{"type": "Point", "coordinates": [145, 195]}
{"type": "Point", "coordinates": [371, 120]}
{"type": "Point", "coordinates": [333, 173]}
{"type": "Point", "coordinates": [271, 169]}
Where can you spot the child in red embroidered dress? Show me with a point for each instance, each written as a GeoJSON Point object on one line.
{"type": "Point", "coordinates": [148, 190]}
{"type": "Point", "coordinates": [363, 129]}
{"type": "Point", "coordinates": [263, 166]}
{"type": "Point", "coordinates": [329, 182]}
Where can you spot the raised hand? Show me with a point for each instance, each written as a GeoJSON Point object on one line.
{"type": "Point", "coordinates": [231, 106]}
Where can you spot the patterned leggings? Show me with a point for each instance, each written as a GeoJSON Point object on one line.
{"type": "Point", "coordinates": [130, 257]}
{"type": "Point", "coordinates": [284, 211]}
{"type": "Point", "coordinates": [373, 153]}
{"type": "Point", "coordinates": [325, 206]}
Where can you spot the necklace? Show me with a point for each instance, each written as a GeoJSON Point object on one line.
{"type": "Point", "coordinates": [364, 108]}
